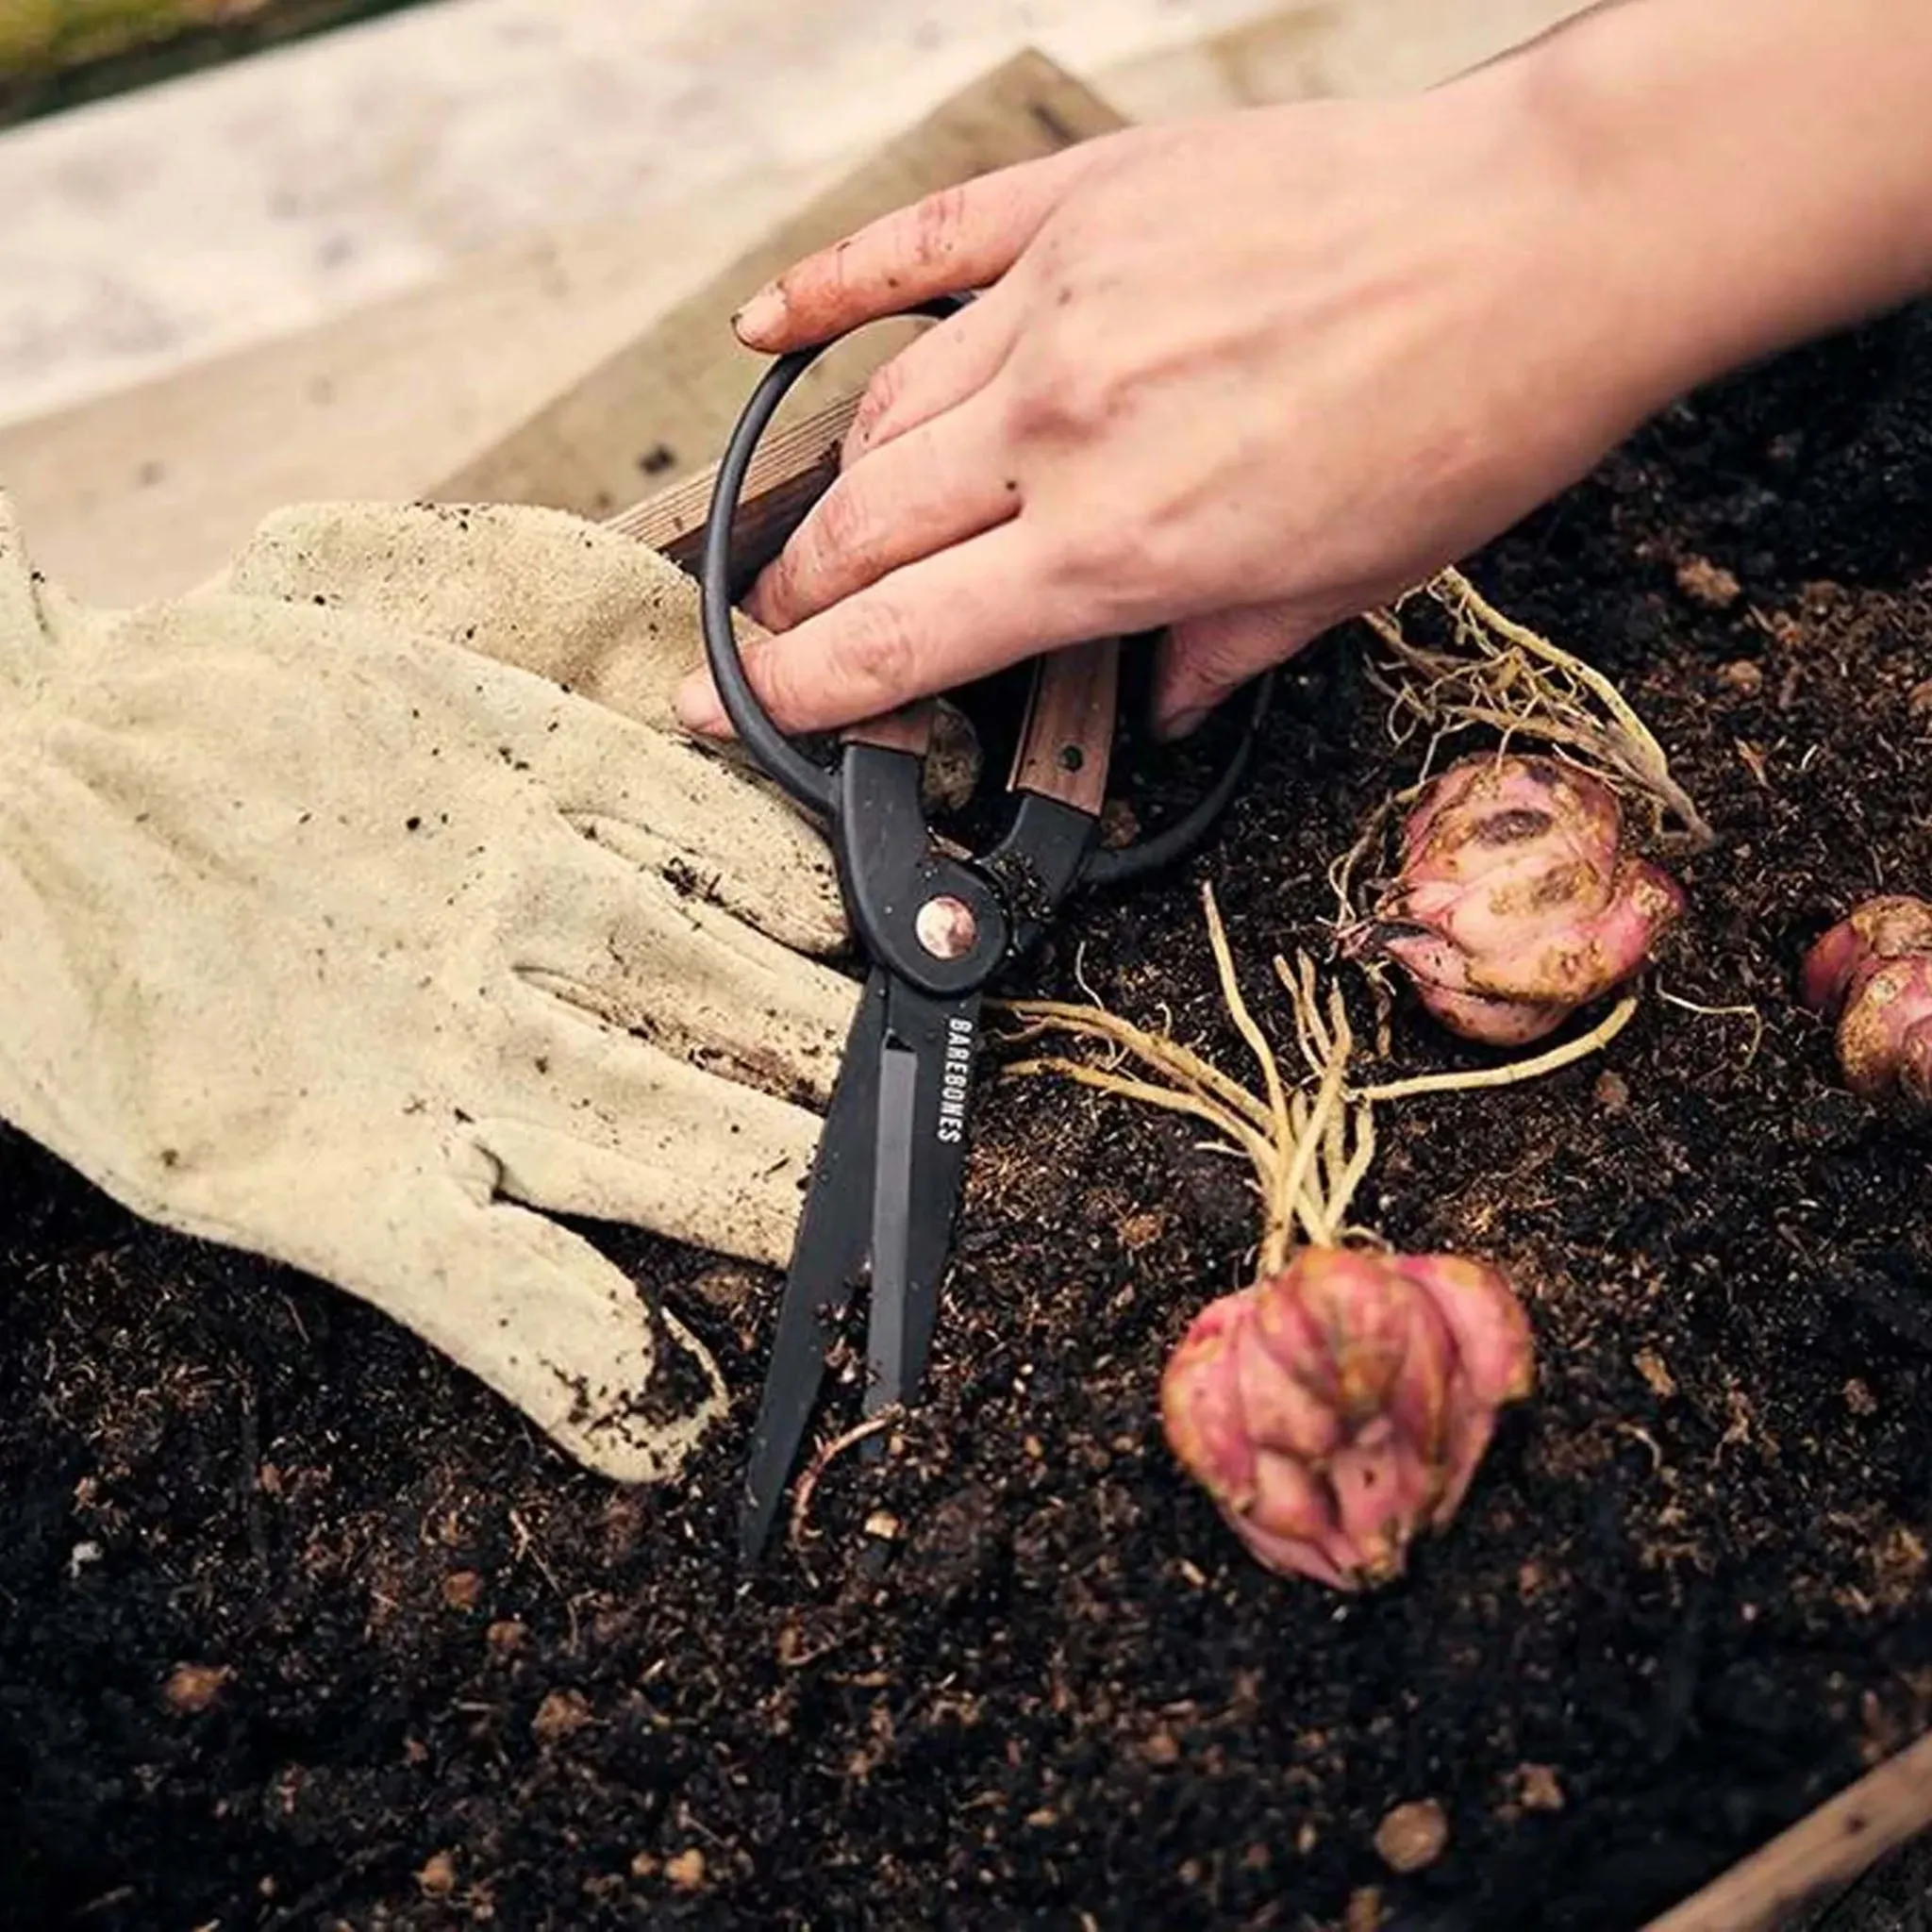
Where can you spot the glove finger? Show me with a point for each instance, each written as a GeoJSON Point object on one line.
{"type": "Point", "coordinates": [728, 1175]}
{"type": "Point", "coordinates": [538, 1314]}
{"type": "Point", "coordinates": [609, 619]}
{"type": "Point", "coordinates": [597, 613]}
{"type": "Point", "coordinates": [617, 1128]}
{"type": "Point", "coordinates": [689, 816]}
{"type": "Point", "coordinates": [652, 956]}
{"type": "Point", "coordinates": [22, 628]}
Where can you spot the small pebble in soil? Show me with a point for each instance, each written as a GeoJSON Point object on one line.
{"type": "Point", "coordinates": [192, 1688]}
{"type": "Point", "coordinates": [503, 1636]}
{"type": "Point", "coordinates": [1538, 1788]}
{"type": "Point", "coordinates": [1656, 1373]}
{"type": "Point", "coordinates": [1744, 675]}
{"type": "Point", "coordinates": [461, 1589]}
{"type": "Point", "coordinates": [1611, 1092]}
{"type": "Point", "coordinates": [686, 1870]}
{"type": "Point", "coordinates": [1364, 1910]}
{"type": "Point", "coordinates": [727, 1287]}
{"type": "Point", "coordinates": [1919, 699]}
{"type": "Point", "coordinates": [437, 1878]}
{"type": "Point", "coordinates": [1412, 1836]}
{"type": "Point", "coordinates": [1859, 1399]}
{"type": "Point", "coordinates": [1708, 584]}
{"type": "Point", "coordinates": [1118, 824]}
{"type": "Point", "coordinates": [561, 1714]}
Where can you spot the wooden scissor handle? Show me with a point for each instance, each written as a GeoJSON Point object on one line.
{"type": "Point", "coordinates": [1067, 742]}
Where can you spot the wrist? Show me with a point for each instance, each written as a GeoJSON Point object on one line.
{"type": "Point", "coordinates": [1742, 174]}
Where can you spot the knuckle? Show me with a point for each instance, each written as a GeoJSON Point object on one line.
{"type": "Point", "coordinates": [822, 284]}
{"type": "Point", "coordinates": [771, 677]}
{"type": "Point", "coordinates": [1062, 396]}
{"type": "Point", "coordinates": [774, 596]}
{"type": "Point", "coordinates": [844, 535]}
{"type": "Point", "coordinates": [836, 546]}
{"type": "Point", "coordinates": [937, 224]}
{"type": "Point", "coordinates": [1032, 413]}
{"type": "Point", "coordinates": [841, 270]}
{"type": "Point", "coordinates": [874, 656]}
{"type": "Point", "coordinates": [1215, 657]}
{"type": "Point", "coordinates": [1109, 552]}
{"type": "Point", "coordinates": [875, 407]}
{"type": "Point", "coordinates": [1168, 555]}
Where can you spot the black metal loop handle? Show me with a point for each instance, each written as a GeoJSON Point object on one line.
{"type": "Point", "coordinates": [812, 783]}
{"type": "Point", "coordinates": [1113, 868]}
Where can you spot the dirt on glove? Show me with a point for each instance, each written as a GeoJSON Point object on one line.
{"type": "Point", "coordinates": [300, 1628]}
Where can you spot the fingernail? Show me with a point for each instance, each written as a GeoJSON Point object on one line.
{"type": "Point", "coordinates": [762, 317]}
{"type": "Point", "coordinates": [697, 706]}
{"type": "Point", "coordinates": [1171, 725]}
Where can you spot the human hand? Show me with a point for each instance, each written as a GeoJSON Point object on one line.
{"type": "Point", "coordinates": [327, 939]}
{"type": "Point", "coordinates": [1244, 378]}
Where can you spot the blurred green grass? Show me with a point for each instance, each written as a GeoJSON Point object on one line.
{"type": "Point", "coordinates": [57, 54]}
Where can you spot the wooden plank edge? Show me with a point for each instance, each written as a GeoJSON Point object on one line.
{"type": "Point", "coordinates": [793, 466]}
{"type": "Point", "coordinates": [1820, 1855]}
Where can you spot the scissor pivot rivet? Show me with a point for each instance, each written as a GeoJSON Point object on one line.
{"type": "Point", "coordinates": [1072, 757]}
{"type": "Point", "coordinates": [945, 926]}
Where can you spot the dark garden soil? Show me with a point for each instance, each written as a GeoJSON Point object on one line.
{"type": "Point", "coordinates": [444, 1680]}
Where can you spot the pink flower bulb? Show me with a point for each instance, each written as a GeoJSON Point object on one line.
{"type": "Point", "coordinates": [1871, 975]}
{"type": "Point", "coordinates": [1339, 1408]}
{"type": "Point", "coordinates": [1517, 901]}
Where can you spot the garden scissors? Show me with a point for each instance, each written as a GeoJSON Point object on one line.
{"type": "Point", "coordinates": [937, 929]}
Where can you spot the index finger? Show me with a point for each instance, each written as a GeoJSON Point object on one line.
{"type": "Point", "coordinates": [958, 238]}
{"type": "Point", "coordinates": [951, 618]}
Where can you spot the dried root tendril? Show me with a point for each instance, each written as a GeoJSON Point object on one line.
{"type": "Point", "coordinates": [1309, 1149]}
{"type": "Point", "coordinates": [1310, 1142]}
{"type": "Point", "coordinates": [1512, 1072]}
{"type": "Point", "coordinates": [1743, 1011]}
{"type": "Point", "coordinates": [1499, 674]}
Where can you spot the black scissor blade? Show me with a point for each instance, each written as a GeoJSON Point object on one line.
{"type": "Point", "coordinates": [891, 1223]}
{"type": "Point", "coordinates": [925, 1098]}
{"type": "Point", "coordinates": [827, 1258]}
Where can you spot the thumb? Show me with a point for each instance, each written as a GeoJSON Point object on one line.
{"type": "Point", "coordinates": [1204, 659]}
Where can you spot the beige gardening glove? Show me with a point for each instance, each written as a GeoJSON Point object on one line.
{"type": "Point", "coordinates": [327, 938]}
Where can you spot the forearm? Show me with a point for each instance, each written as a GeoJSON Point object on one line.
{"type": "Point", "coordinates": [1748, 173]}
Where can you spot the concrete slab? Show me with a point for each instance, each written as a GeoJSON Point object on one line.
{"type": "Point", "coordinates": [160, 230]}
{"type": "Point", "coordinates": [342, 268]}
{"type": "Point", "coordinates": [205, 215]}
